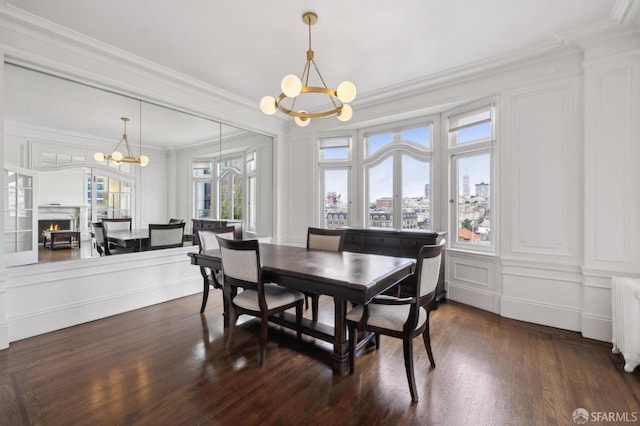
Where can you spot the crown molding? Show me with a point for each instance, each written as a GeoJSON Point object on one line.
{"type": "Point", "coordinates": [626, 12]}
{"type": "Point", "coordinates": [497, 64]}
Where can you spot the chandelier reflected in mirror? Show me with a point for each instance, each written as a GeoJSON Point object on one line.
{"type": "Point", "coordinates": [119, 157]}
{"type": "Point", "coordinates": [293, 87]}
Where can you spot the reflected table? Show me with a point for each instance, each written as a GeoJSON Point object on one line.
{"type": "Point", "coordinates": [135, 238]}
{"type": "Point", "coordinates": [53, 236]}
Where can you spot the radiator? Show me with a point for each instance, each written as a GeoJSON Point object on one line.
{"type": "Point", "coordinates": [625, 310]}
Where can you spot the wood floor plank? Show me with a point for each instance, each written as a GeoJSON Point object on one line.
{"type": "Point", "coordinates": [167, 364]}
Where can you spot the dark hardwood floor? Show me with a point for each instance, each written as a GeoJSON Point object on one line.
{"type": "Point", "coordinates": [167, 365]}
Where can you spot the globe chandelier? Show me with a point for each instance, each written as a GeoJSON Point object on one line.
{"type": "Point", "coordinates": [119, 157]}
{"type": "Point", "coordinates": [293, 87]}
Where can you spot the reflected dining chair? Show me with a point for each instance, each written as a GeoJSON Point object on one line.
{"type": "Point", "coordinates": [103, 246]}
{"type": "Point", "coordinates": [322, 239]}
{"type": "Point", "coordinates": [120, 224]}
{"type": "Point", "coordinates": [404, 318]}
{"type": "Point", "coordinates": [163, 235]}
{"type": "Point", "coordinates": [208, 241]}
{"type": "Point", "coordinates": [241, 268]}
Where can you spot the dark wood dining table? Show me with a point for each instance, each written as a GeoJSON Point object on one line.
{"type": "Point", "coordinates": [345, 276]}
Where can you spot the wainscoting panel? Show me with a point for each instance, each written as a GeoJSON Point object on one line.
{"type": "Point", "coordinates": [46, 297]}
{"type": "Point", "coordinates": [543, 295]}
{"type": "Point", "coordinates": [471, 279]}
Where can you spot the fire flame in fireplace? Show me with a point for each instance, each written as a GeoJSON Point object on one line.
{"type": "Point", "coordinates": [53, 227]}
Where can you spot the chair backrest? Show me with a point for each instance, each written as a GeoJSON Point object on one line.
{"type": "Point", "coordinates": [172, 221]}
{"type": "Point", "coordinates": [240, 262]}
{"type": "Point", "coordinates": [325, 239]}
{"type": "Point", "coordinates": [208, 240]}
{"type": "Point", "coordinates": [165, 235]}
{"type": "Point", "coordinates": [428, 271]}
{"type": "Point", "coordinates": [121, 224]}
{"type": "Point", "coordinates": [101, 241]}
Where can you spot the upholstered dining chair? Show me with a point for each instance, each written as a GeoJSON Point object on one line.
{"type": "Point", "coordinates": [163, 235]}
{"type": "Point", "coordinates": [403, 318]}
{"type": "Point", "coordinates": [120, 224]}
{"type": "Point", "coordinates": [322, 239]}
{"type": "Point", "coordinates": [172, 221]}
{"type": "Point", "coordinates": [241, 268]}
{"type": "Point", "coordinates": [208, 241]}
{"type": "Point", "coordinates": [103, 247]}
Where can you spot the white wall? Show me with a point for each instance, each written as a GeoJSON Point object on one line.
{"type": "Point", "coordinates": [63, 187]}
{"type": "Point", "coordinates": [566, 186]}
{"type": "Point", "coordinates": [612, 176]}
{"type": "Point", "coordinates": [571, 108]}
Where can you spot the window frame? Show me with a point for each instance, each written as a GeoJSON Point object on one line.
{"type": "Point", "coordinates": [396, 149]}
{"type": "Point", "coordinates": [456, 151]}
{"type": "Point", "coordinates": [324, 165]}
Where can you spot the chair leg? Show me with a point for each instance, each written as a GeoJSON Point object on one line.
{"type": "Point", "coordinates": [353, 339]}
{"type": "Point", "coordinates": [427, 343]}
{"type": "Point", "coordinates": [314, 306]}
{"type": "Point", "coordinates": [232, 323]}
{"type": "Point", "coordinates": [408, 366]}
{"type": "Point", "coordinates": [263, 338]}
{"type": "Point", "coordinates": [205, 295]}
{"type": "Point", "coordinates": [377, 340]}
{"type": "Point", "coordinates": [299, 321]}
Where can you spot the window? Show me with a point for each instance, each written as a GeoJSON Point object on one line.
{"type": "Point", "coordinates": [334, 159]}
{"type": "Point", "coordinates": [202, 172]}
{"type": "Point", "coordinates": [251, 167]}
{"type": "Point", "coordinates": [109, 197]}
{"type": "Point", "coordinates": [230, 184]}
{"type": "Point", "coordinates": [222, 195]}
{"type": "Point", "coordinates": [401, 169]}
{"type": "Point", "coordinates": [397, 174]}
{"type": "Point", "coordinates": [471, 142]}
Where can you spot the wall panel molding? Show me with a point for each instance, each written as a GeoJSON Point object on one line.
{"type": "Point", "coordinates": [541, 164]}
{"type": "Point", "coordinates": [612, 105]}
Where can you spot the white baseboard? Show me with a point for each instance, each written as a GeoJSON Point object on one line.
{"type": "Point", "coordinates": [596, 327]}
{"type": "Point", "coordinates": [473, 297]}
{"type": "Point", "coordinates": [543, 314]}
{"type": "Point", "coordinates": [4, 336]}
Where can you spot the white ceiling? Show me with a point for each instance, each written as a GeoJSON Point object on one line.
{"type": "Point", "coordinates": [246, 47]}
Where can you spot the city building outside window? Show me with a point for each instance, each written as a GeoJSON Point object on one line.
{"type": "Point", "coordinates": [335, 165]}
{"type": "Point", "coordinates": [471, 143]}
{"type": "Point", "coordinates": [397, 176]}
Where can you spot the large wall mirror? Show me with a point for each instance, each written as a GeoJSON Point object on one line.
{"type": "Point", "coordinates": [54, 126]}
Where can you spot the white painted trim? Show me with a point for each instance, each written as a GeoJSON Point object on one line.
{"type": "Point", "coordinates": [541, 313]}
{"type": "Point", "coordinates": [474, 297]}
{"type": "Point", "coordinates": [596, 327]}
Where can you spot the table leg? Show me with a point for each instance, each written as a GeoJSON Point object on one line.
{"type": "Point", "coordinates": [340, 356]}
